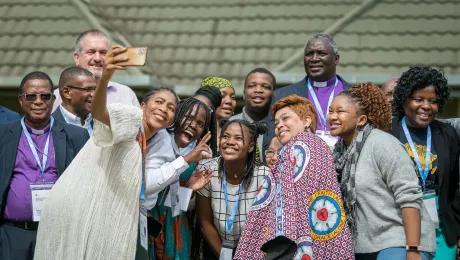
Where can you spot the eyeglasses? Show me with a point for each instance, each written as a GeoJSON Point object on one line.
{"type": "Point", "coordinates": [269, 153]}
{"type": "Point", "coordinates": [88, 89]}
{"type": "Point", "coordinates": [32, 97]}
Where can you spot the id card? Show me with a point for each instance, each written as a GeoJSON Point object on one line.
{"type": "Point", "coordinates": [226, 253]}
{"type": "Point", "coordinates": [40, 192]}
{"type": "Point", "coordinates": [328, 138]}
{"type": "Point", "coordinates": [143, 235]}
{"type": "Point", "coordinates": [174, 198]}
{"type": "Point", "coordinates": [185, 195]}
{"type": "Point", "coordinates": [429, 199]}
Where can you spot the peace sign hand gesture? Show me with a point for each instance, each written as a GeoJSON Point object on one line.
{"type": "Point", "coordinates": [201, 151]}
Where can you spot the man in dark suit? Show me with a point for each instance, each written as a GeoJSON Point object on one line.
{"type": "Point", "coordinates": [76, 87]}
{"type": "Point", "coordinates": [34, 152]}
{"type": "Point", "coordinates": [320, 85]}
{"type": "Point", "coordinates": [7, 115]}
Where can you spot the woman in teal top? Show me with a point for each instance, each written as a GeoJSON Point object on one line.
{"type": "Point", "coordinates": [420, 93]}
{"type": "Point", "coordinates": [191, 123]}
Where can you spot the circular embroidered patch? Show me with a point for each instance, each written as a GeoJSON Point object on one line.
{"type": "Point", "coordinates": [265, 193]}
{"type": "Point", "coordinates": [304, 250]}
{"type": "Point", "coordinates": [327, 217]}
{"type": "Point", "coordinates": [300, 157]}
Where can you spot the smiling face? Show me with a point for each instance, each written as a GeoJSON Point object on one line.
{"type": "Point", "coordinates": [39, 110]}
{"type": "Point", "coordinates": [271, 154]}
{"type": "Point", "coordinates": [258, 91]}
{"type": "Point", "coordinates": [233, 147]}
{"type": "Point", "coordinates": [228, 105]}
{"type": "Point", "coordinates": [159, 110]}
{"type": "Point", "coordinates": [320, 60]}
{"type": "Point", "coordinates": [288, 124]}
{"type": "Point", "coordinates": [92, 54]}
{"type": "Point", "coordinates": [192, 127]}
{"type": "Point", "coordinates": [78, 92]}
{"type": "Point", "coordinates": [344, 119]}
{"type": "Point", "coordinates": [421, 107]}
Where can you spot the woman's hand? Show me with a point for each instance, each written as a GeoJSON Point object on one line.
{"type": "Point", "coordinates": [99, 100]}
{"type": "Point", "coordinates": [111, 59]}
{"type": "Point", "coordinates": [199, 179]}
{"type": "Point", "coordinates": [201, 151]}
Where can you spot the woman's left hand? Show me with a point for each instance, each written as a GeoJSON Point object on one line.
{"type": "Point", "coordinates": [199, 179]}
{"type": "Point", "coordinates": [413, 255]}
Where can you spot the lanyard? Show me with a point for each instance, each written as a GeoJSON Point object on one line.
{"type": "Point", "coordinates": [229, 221]}
{"type": "Point", "coordinates": [319, 110]}
{"type": "Point", "coordinates": [143, 144]}
{"type": "Point", "coordinates": [423, 172]}
{"type": "Point", "coordinates": [41, 165]}
{"type": "Point", "coordinates": [279, 201]}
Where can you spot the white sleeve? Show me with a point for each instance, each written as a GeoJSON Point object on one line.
{"type": "Point", "coordinates": [161, 168]}
{"type": "Point", "coordinates": [125, 122]}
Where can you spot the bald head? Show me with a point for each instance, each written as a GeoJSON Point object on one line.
{"type": "Point", "coordinates": [388, 88]}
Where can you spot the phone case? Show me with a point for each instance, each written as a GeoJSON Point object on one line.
{"type": "Point", "coordinates": [137, 56]}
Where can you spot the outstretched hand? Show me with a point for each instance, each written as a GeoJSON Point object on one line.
{"type": "Point", "coordinates": [199, 179]}
{"type": "Point", "coordinates": [200, 152]}
{"type": "Point", "coordinates": [111, 59]}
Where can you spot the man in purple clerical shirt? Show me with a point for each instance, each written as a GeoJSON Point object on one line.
{"type": "Point", "coordinates": [34, 152]}
{"type": "Point", "coordinates": [321, 84]}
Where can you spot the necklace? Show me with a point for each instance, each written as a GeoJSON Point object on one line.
{"type": "Point", "coordinates": [235, 175]}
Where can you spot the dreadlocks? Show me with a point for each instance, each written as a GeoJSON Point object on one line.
{"type": "Point", "coordinates": [254, 129]}
{"type": "Point", "coordinates": [184, 110]}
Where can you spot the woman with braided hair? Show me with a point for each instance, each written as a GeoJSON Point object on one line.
{"type": "Point", "coordinates": [420, 94]}
{"type": "Point", "coordinates": [222, 205]}
{"type": "Point", "coordinates": [382, 198]}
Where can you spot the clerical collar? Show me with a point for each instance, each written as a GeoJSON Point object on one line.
{"type": "Point", "coordinates": [38, 131]}
{"type": "Point", "coordinates": [322, 84]}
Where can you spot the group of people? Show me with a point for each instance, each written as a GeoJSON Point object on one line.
{"type": "Point", "coordinates": [320, 169]}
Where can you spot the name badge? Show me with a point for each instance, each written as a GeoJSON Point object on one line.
{"type": "Point", "coordinates": [429, 200]}
{"type": "Point", "coordinates": [226, 253]}
{"type": "Point", "coordinates": [328, 138]}
{"type": "Point", "coordinates": [40, 192]}
{"type": "Point", "coordinates": [143, 237]}
{"type": "Point", "coordinates": [185, 195]}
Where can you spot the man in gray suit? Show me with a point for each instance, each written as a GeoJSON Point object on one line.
{"type": "Point", "coordinates": [35, 151]}
{"type": "Point", "coordinates": [321, 84]}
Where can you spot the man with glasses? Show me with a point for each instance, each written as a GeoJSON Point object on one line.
{"type": "Point", "coordinates": [76, 88]}
{"type": "Point", "coordinates": [90, 50]}
{"type": "Point", "coordinates": [34, 152]}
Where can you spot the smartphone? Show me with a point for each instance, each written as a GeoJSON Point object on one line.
{"type": "Point", "coordinates": [137, 56]}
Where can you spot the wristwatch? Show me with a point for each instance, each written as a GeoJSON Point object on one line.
{"type": "Point", "coordinates": [414, 248]}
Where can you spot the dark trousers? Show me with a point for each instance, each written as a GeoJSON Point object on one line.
{"type": "Point", "coordinates": [17, 243]}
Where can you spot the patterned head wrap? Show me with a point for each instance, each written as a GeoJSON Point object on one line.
{"type": "Point", "coordinates": [217, 82]}
{"type": "Point", "coordinates": [311, 213]}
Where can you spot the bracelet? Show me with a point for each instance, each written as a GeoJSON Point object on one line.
{"type": "Point", "coordinates": [414, 248]}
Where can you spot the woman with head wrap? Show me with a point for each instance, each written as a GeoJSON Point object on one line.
{"type": "Point", "coordinates": [228, 104]}
{"type": "Point", "coordinates": [298, 211]}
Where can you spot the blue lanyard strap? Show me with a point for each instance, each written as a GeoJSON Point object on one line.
{"type": "Point", "coordinates": [42, 164]}
{"type": "Point", "coordinates": [229, 220]}
{"type": "Point", "coordinates": [318, 108]}
{"type": "Point", "coordinates": [423, 172]}
{"type": "Point", "coordinates": [279, 201]}
{"type": "Point", "coordinates": [142, 141]}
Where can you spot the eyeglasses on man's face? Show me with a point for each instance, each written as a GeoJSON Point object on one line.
{"type": "Point", "coordinates": [87, 90]}
{"type": "Point", "coordinates": [31, 97]}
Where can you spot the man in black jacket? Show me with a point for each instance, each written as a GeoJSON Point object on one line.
{"type": "Point", "coordinates": [320, 85]}
{"type": "Point", "coordinates": [34, 152]}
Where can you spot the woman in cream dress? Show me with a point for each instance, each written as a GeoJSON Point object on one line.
{"type": "Point", "coordinates": [93, 210]}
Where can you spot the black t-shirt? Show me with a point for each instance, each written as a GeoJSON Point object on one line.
{"type": "Point", "coordinates": [419, 139]}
